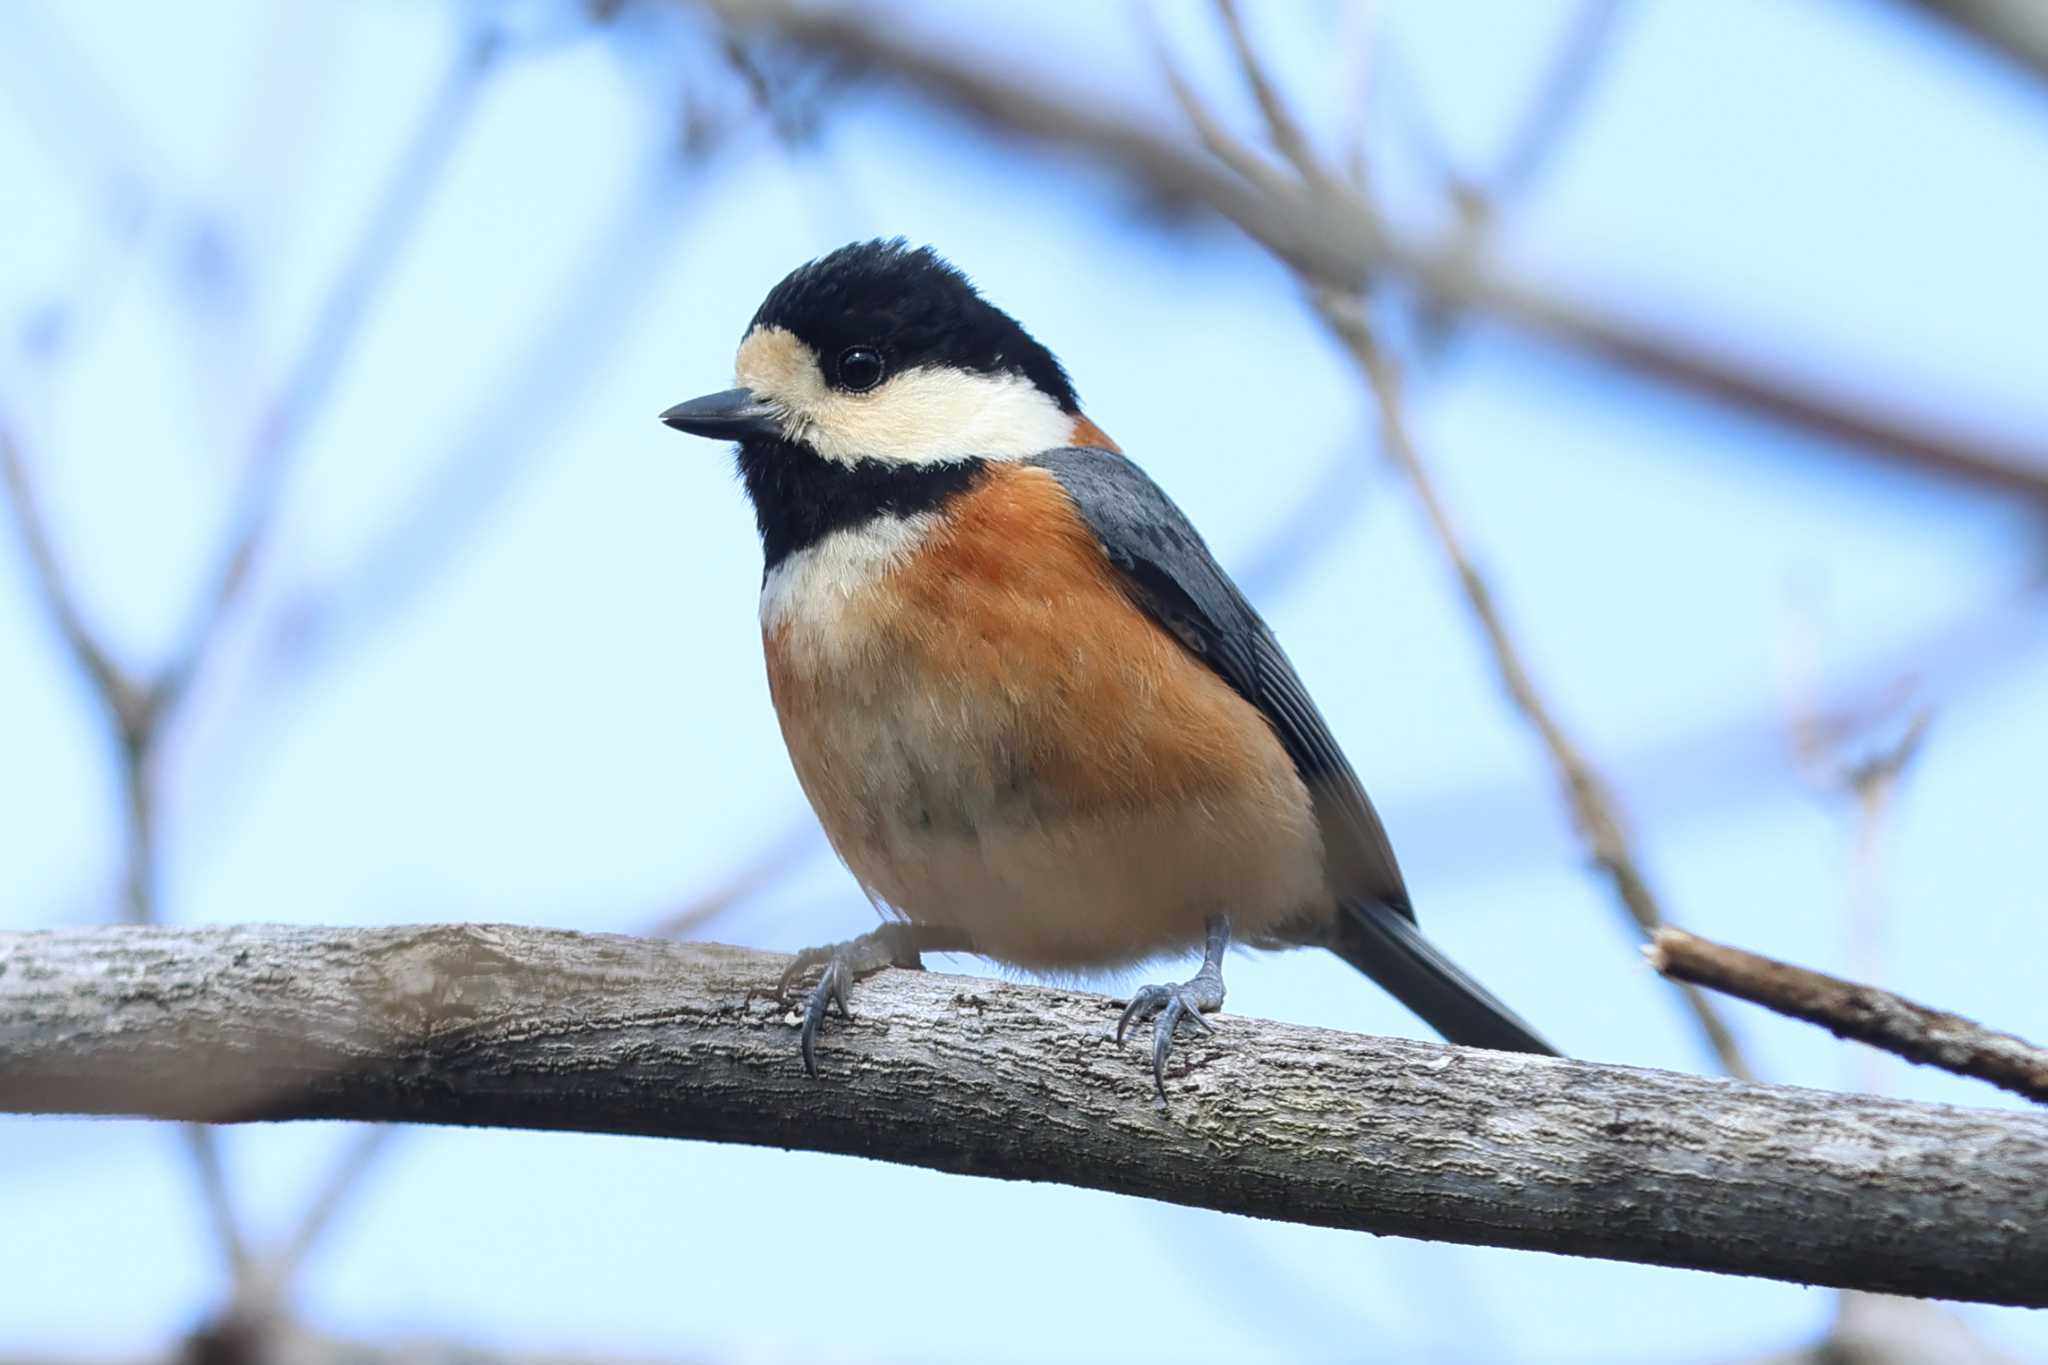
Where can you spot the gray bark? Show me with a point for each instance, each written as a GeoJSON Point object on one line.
{"type": "Point", "coordinates": [534, 1028]}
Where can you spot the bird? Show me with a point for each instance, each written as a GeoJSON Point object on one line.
{"type": "Point", "coordinates": [1037, 720]}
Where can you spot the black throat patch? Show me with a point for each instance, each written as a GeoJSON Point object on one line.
{"type": "Point", "coordinates": [800, 497]}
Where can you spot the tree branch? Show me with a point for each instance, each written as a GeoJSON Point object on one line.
{"type": "Point", "coordinates": [1864, 1013]}
{"type": "Point", "coordinates": [535, 1028]}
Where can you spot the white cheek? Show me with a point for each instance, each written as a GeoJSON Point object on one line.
{"type": "Point", "coordinates": [922, 416]}
{"type": "Point", "coordinates": [933, 415]}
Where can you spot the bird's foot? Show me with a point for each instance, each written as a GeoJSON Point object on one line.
{"type": "Point", "coordinates": [1167, 1007]}
{"type": "Point", "coordinates": [892, 945]}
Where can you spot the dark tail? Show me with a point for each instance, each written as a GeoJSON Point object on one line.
{"type": "Point", "coordinates": [1385, 945]}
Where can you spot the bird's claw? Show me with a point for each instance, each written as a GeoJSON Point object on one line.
{"type": "Point", "coordinates": [830, 991]}
{"type": "Point", "coordinates": [1167, 1006]}
{"type": "Point", "coordinates": [892, 945]}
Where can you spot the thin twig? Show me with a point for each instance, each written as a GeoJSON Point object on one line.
{"type": "Point", "coordinates": [1733, 758]}
{"type": "Point", "coordinates": [778, 856]}
{"type": "Point", "coordinates": [83, 119]}
{"type": "Point", "coordinates": [334, 330]}
{"type": "Point", "coordinates": [502, 440]}
{"type": "Point", "coordinates": [1873, 783]}
{"type": "Point", "coordinates": [204, 1145]}
{"type": "Point", "coordinates": [1286, 134]}
{"type": "Point", "coordinates": [1215, 139]}
{"type": "Point", "coordinates": [1360, 41]}
{"type": "Point", "coordinates": [52, 586]}
{"type": "Point", "coordinates": [1568, 79]}
{"type": "Point", "coordinates": [1594, 809]}
{"type": "Point", "coordinates": [139, 870]}
{"type": "Point", "coordinates": [1868, 783]}
{"type": "Point", "coordinates": [364, 1148]}
{"type": "Point", "coordinates": [1539, 133]}
{"type": "Point", "coordinates": [1866, 1014]}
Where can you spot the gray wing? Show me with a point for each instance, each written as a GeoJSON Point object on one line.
{"type": "Point", "coordinates": [1171, 574]}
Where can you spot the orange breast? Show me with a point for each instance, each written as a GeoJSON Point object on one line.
{"type": "Point", "coordinates": [997, 737]}
{"type": "Point", "coordinates": [1019, 604]}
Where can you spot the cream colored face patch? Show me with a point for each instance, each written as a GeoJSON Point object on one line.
{"type": "Point", "coordinates": [921, 416]}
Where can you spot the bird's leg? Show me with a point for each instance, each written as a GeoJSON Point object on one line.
{"type": "Point", "coordinates": [896, 944]}
{"type": "Point", "coordinates": [1190, 1000]}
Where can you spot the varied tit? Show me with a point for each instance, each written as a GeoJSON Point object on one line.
{"type": "Point", "coordinates": [1036, 718]}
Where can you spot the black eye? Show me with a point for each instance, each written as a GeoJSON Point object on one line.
{"type": "Point", "coordinates": [860, 368]}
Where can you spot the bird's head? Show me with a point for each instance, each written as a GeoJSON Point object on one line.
{"type": "Point", "coordinates": [878, 354]}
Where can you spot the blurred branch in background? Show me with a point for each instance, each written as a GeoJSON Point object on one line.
{"type": "Point", "coordinates": [1561, 93]}
{"type": "Point", "coordinates": [365, 1145]}
{"type": "Point", "coordinates": [1713, 764]}
{"type": "Point", "coordinates": [142, 714]}
{"type": "Point", "coordinates": [1865, 1014]}
{"type": "Point", "coordinates": [1330, 235]}
{"type": "Point", "coordinates": [535, 1028]}
{"type": "Point", "coordinates": [1858, 757]}
{"type": "Point", "coordinates": [500, 444]}
{"type": "Point", "coordinates": [108, 684]}
{"type": "Point", "coordinates": [1535, 139]}
{"type": "Point", "coordinates": [791, 847]}
{"type": "Point", "coordinates": [1868, 1329]}
{"type": "Point", "coordinates": [400, 208]}
{"type": "Point", "coordinates": [1594, 808]}
{"type": "Point", "coordinates": [538, 388]}
{"type": "Point", "coordinates": [1873, 782]}
{"type": "Point", "coordinates": [1880, 1329]}
{"type": "Point", "coordinates": [78, 116]}
{"type": "Point", "coordinates": [2016, 29]}
{"type": "Point", "coordinates": [134, 722]}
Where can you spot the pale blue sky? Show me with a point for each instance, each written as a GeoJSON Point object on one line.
{"type": "Point", "coordinates": [566, 724]}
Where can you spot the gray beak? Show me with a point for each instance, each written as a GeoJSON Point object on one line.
{"type": "Point", "coordinates": [733, 415]}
